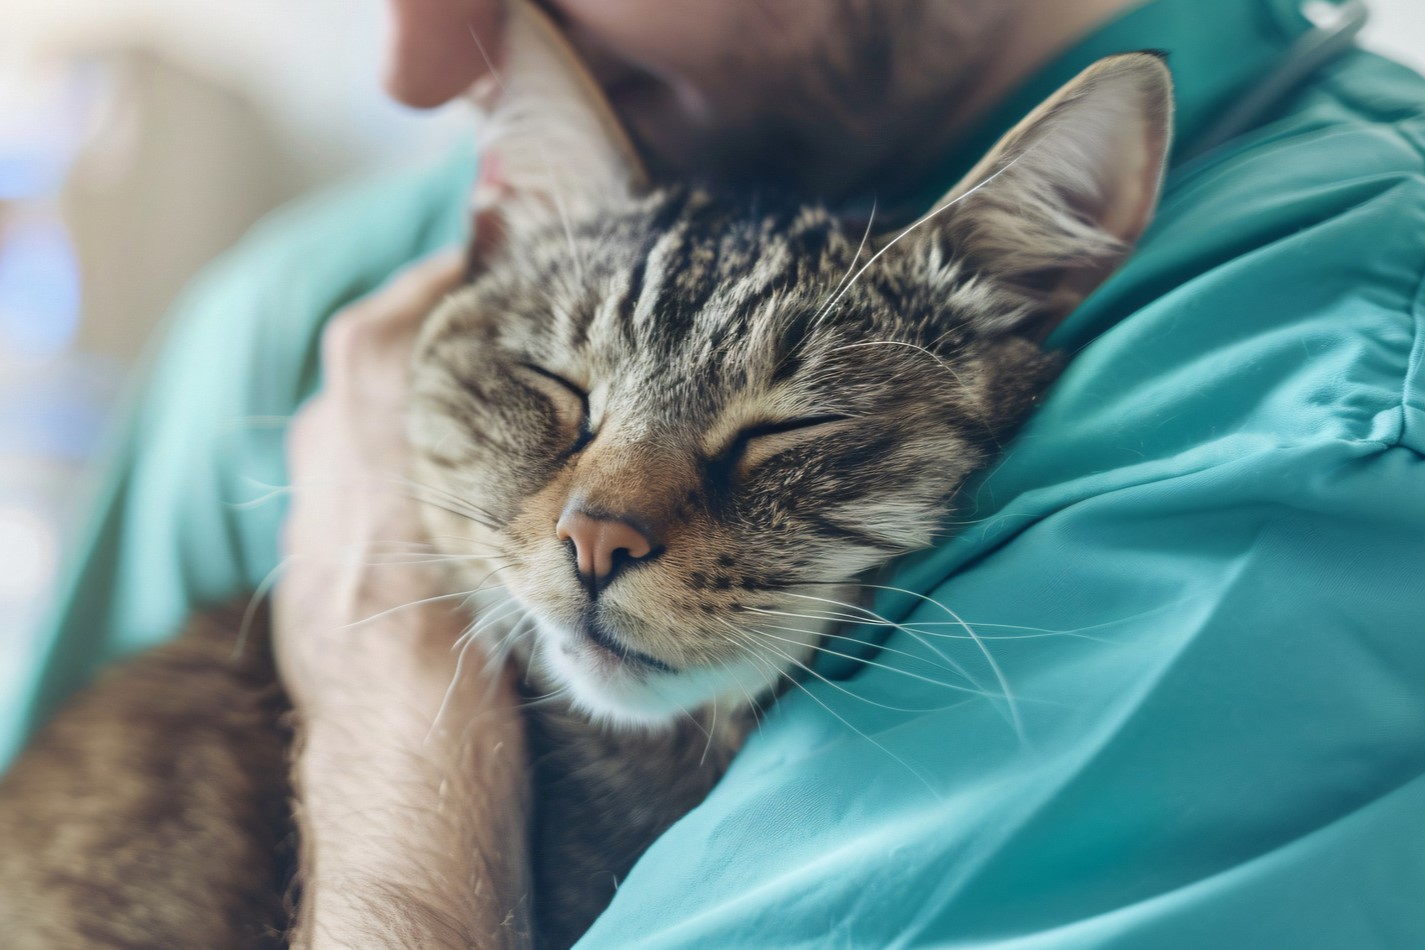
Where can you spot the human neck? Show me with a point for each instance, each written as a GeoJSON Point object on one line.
{"type": "Point", "coordinates": [1030, 36]}
{"type": "Point", "coordinates": [1039, 31]}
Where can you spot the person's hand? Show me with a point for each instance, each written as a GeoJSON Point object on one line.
{"type": "Point", "coordinates": [411, 784]}
{"type": "Point", "coordinates": [352, 527]}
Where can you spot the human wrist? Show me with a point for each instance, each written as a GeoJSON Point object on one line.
{"type": "Point", "coordinates": [409, 830]}
{"type": "Point", "coordinates": [371, 805]}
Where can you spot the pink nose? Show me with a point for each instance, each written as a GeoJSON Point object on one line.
{"type": "Point", "coordinates": [601, 545]}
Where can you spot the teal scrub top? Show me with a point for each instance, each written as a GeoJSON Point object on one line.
{"type": "Point", "coordinates": [1165, 688]}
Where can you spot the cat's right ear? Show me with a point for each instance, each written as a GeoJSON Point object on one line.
{"type": "Point", "coordinates": [551, 145]}
{"type": "Point", "coordinates": [1053, 210]}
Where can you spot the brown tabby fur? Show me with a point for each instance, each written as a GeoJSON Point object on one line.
{"type": "Point", "coordinates": [153, 812]}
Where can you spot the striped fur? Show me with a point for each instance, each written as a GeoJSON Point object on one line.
{"type": "Point", "coordinates": [689, 321]}
{"type": "Point", "coordinates": [782, 405]}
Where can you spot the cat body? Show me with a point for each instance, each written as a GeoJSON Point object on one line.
{"type": "Point", "coordinates": [660, 437]}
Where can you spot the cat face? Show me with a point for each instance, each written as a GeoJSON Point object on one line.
{"type": "Point", "coordinates": [756, 427]}
{"type": "Point", "coordinates": [675, 428]}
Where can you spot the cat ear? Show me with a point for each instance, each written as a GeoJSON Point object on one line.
{"type": "Point", "coordinates": [551, 144]}
{"type": "Point", "coordinates": [1059, 203]}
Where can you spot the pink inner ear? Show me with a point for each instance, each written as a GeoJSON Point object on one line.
{"type": "Point", "coordinates": [487, 223]}
{"type": "Point", "coordinates": [1144, 153]}
{"type": "Point", "coordinates": [491, 186]}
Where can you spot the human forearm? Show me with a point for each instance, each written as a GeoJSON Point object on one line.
{"type": "Point", "coordinates": [410, 773]}
{"type": "Point", "coordinates": [412, 839]}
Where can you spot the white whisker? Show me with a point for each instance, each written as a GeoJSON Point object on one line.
{"type": "Point", "coordinates": [1012, 706]}
{"type": "Point", "coordinates": [249, 613]}
{"type": "Point", "coordinates": [922, 221]}
{"type": "Point", "coordinates": [778, 671]}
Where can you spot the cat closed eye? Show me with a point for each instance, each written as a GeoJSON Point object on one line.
{"type": "Point", "coordinates": [574, 389]}
{"type": "Point", "coordinates": [789, 425]}
{"type": "Point", "coordinates": [759, 442]}
{"type": "Point", "coordinates": [570, 401]}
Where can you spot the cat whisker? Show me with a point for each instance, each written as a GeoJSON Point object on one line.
{"type": "Point", "coordinates": [399, 607]}
{"type": "Point", "coordinates": [823, 616]}
{"type": "Point", "coordinates": [546, 699]}
{"type": "Point", "coordinates": [761, 632]}
{"type": "Point", "coordinates": [452, 503]}
{"type": "Point", "coordinates": [707, 747]}
{"type": "Point", "coordinates": [914, 635]}
{"type": "Point", "coordinates": [1032, 632]}
{"type": "Point", "coordinates": [856, 258]}
{"type": "Point", "coordinates": [449, 692]}
{"type": "Point", "coordinates": [752, 704]}
{"type": "Point", "coordinates": [468, 515]}
{"type": "Point", "coordinates": [428, 545]}
{"type": "Point", "coordinates": [254, 603]}
{"type": "Point", "coordinates": [926, 219]}
{"type": "Point", "coordinates": [438, 491]}
{"type": "Point", "coordinates": [686, 712]}
{"type": "Point", "coordinates": [493, 664]}
{"type": "Point", "coordinates": [920, 626]}
{"type": "Point", "coordinates": [501, 651]}
{"type": "Point", "coordinates": [912, 346]}
{"type": "Point", "coordinates": [777, 670]}
{"type": "Point", "coordinates": [418, 559]}
{"type": "Point", "coordinates": [270, 493]}
{"type": "Point", "coordinates": [493, 615]}
{"type": "Point", "coordinates": [994, 666]}
{"type": "Point", "coordinates": [449, 502]}
{"type": "Point", "coordinates": [856, 640]}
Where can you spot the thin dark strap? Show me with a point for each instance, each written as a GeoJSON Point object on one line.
{"type": "Point", "coordinates": [1334, 35]}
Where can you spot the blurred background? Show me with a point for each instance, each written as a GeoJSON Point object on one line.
{"type": "Point", "coordinates": [138, 139]}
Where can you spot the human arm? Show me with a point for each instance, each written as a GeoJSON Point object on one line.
{"type": "Point", "coordinates": [410, 771]}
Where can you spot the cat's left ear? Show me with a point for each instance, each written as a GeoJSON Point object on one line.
{"type": "Point", "coordinates": [551, 145]}
{"type": "Point", "coordinates": [1059, 203]}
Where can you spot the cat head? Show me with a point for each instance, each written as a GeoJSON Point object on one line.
{"type": "Point", "coordinates": [675, 426]}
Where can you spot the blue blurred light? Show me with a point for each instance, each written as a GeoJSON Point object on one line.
{"type": "Point", "coordinates": [26, 174]}
{"type": "Point", "coordinates": [39, 289]}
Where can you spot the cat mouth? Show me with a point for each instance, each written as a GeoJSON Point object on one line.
{"type": "Point", "coordinates": [605, 641]}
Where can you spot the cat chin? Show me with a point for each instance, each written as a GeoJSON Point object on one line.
{"type": "Point", "coordinates": [630, 695]}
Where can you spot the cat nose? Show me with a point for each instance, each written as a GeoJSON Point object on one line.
{"type": "Point", "coordinates": [602, 546]}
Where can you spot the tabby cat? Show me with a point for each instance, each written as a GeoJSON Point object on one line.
{"type": "Point", "coordinates": [668, 417]}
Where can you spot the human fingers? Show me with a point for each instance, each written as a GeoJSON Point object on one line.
{"type": "Point", "coordinates": [370, 340]}
{"type": "Point", "coordinates": [352, 430]}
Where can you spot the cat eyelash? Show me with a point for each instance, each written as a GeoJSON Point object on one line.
{"type": "Point", "coordinates": [737, 452]}
{"type": "Point", "coordinates": [788, 425]}
{"type": "Point", "coordinates": [576, 390]}
{"type": "Point", "coordinates": [586, 433]}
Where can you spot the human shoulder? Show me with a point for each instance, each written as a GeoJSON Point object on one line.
{"type": "Point", "coordinates": [1279, 291]}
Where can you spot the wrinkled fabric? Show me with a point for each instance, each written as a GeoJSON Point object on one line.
{"type": "Point", "coordinates": [1166, 685]}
